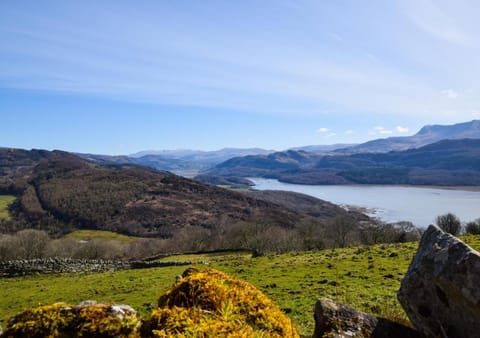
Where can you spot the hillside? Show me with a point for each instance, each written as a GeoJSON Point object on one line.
{"type": "Point", "coordinates": [62, 193]}
{"type": "Point", "coordinates": [447, 162]}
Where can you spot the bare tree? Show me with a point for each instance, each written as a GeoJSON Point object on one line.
{"type": "Point", "coordinates": [30, 243]}
{"type": "Point", "coordinates": [340, 231]}
{"type": "Point", "coordinates": [449, 223]}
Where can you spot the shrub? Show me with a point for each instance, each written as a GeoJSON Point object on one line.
{"type": "Point", "coordinates": [62, 320]}
{"type": "Point", "coordinates": [211, 303]}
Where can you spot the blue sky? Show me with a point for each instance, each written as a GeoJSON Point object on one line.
{"type": "Point", "coordinates": [116, 77]}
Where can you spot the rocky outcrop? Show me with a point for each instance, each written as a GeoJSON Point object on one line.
{"type": "Point", "coordinates": [441, 290]}
{"type": "Point", "coordinates": [68, 265]}
{"type": "Point", "coordinates": [338, 321]}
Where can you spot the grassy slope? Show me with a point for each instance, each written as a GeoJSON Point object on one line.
{"type": "Point", "coordinates": [5, 201]}
{"type": "Point", "coordinates": [367, 278]}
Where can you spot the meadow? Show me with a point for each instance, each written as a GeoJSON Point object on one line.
{"type": "Point", "coordinates": [5, 201]}
{"type": "Point", "coordinates": [366, 277]}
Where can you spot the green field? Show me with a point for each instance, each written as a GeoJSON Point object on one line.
{"type": "Point", "coordinates": [5, 201]}
{"type": "Point", "coordinates": [364, 277]}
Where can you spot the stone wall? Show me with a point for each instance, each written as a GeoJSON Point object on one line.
{"type": "Point", "coordinates": [63, 265]}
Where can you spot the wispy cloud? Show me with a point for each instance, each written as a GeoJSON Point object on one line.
{"type": "Point", "coordinates": [379, 130]}
{"type": "Point", "coordinates": [440, 22]}
{"type": "Point", "coordinates": [335, 36]}
{"type": "Point", "coordinates": [401, 130]}
{"type": "Point", "coordinates": [450, 93]}
{"type": "Point", "coordinates": [322, 130]}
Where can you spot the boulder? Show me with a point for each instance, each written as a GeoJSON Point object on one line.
{"type": "Point", "coordinates": [441, 290]}
{"type": "Point", "coordinates": [338, 321]}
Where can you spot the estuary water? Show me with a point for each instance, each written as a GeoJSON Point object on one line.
{"type": "Point", "coordinates": [390, 203]}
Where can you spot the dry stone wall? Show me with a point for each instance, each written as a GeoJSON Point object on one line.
{"type": "Point", "coordinates": [63, 265]}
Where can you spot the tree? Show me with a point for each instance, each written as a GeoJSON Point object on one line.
{"type": "Point", "coordinates": [340, 231]}
{"type": "Point", "coordinates": [473, 228]}
{"type": "Point", "coordinates": [449, 223]}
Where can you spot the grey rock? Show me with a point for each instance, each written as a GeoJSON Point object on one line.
{"type": "Point", "coordinates": [340, 321]}
{"type": "Point", "coordinates": [441, 290]}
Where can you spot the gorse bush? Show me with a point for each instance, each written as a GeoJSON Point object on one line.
{"type": "Point", "coordinates": [211, 303]}
{"type": "Point", "coordinates": [62, 320]}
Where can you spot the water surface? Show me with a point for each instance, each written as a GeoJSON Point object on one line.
{"type": "Point", "coordinates": [390, 203]}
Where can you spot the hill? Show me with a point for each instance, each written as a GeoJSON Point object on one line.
{"type": "Point", "coordinates": [447, 162]}
{"type": "Point", "coordinates": [63, 192]}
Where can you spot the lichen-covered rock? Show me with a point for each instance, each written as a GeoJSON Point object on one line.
{"type": "Point", "coordinates": [211, 303]}
{"type": "Point", "coordinates": [87, 320]}
{"type": "Point", "coordinates": [441, 290]}
{"type": "Point", "coordinates": [338, 321]}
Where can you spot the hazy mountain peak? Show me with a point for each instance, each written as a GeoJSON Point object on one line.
{"type": "Point", "coordinates": [459, 130]}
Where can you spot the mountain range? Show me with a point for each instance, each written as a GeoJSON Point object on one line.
{"type": "Point", "coordinates": [449, 162]}
{"type": "Point", "coordinates": [427, 135]}
{"type": "Point", "coordinates": [186, 161]}
{"type": "Point", "coordinates": [61, 192]}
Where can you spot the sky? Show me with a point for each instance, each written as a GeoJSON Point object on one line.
{"type": "Point", "coordinates": [117, 77]}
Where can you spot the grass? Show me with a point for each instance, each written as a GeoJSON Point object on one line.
{"type": "Point", "coordinates": [87, 235]}
{"type": "Point", "coordinates": [364, 277]}
{"type": "Point", "coordinates": [5, 201]}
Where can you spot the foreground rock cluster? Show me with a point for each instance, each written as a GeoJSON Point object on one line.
{"type": "Point", "coordinates": [205, 303]}
{"type": "Point", "coordinates": [441, 290]}
{"type": "Point", "coordinates": [440, 294]}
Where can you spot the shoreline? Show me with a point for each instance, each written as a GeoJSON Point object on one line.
{"type": "Point", "coordinates": [440, 187]}
{"type": "Point", "coordinates": [474, 188]}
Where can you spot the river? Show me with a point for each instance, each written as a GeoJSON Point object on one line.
{"type": "Point", "coordinates": [419, 205]}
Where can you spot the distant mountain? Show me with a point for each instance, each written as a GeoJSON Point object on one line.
{"type": "Point", "coordinates": [182, 160]}
{"type": "Point", "coordinates": [261, 165]}
{"type": "Point", "coordinates": [153, 161]}
{"type": "Point", "coordinates": [213, 157]}
{"type": "Point", "coordinates": [426, 135]}
{"type": "Point", "coordinates": [447, 162]}
{"type": "Point", "coordinates": [324, 148]}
